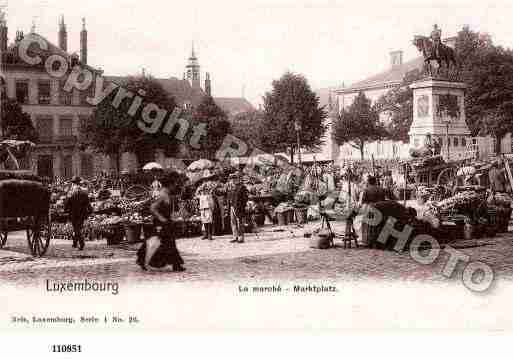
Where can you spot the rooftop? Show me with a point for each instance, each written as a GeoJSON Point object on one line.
{"type": "Point", "coordinates": [234, 105]}
{"type": "Point", "coordinates": [393, 76]}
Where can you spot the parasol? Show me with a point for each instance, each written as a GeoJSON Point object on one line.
{"type": "Point", "coordinates": [152, 166]}
{"type": "Point", "coordinates": [466, 171]}
{"type": "Point", "coordinates": [200, 165]}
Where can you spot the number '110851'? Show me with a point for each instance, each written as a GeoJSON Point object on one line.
{"type": "Point", "coordinates": [67, 348]}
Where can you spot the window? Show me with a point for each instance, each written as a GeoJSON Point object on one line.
{"type": "Point", "coordinates": [44, 92]}
{"type": "Point", "coordinates": [45, 129]}
{"type": "Point", "coordinates": [455, 141]}
{"type": "Point", "coordinates": [66, 127]}
{"type": "Point", "coordinates": [464, 142]}
{"type": "Point", "coordinates": [22, 92]}
{"type": "Point", "coordinates": [67, 166]}
{"type": "Point", "coordinates": [65, 97]}
{"type": "Point", "coordinates": [86, 165]}
{"type": "Point", "coordinates": [89, 92]}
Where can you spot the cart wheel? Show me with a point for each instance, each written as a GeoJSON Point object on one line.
{"type": "Point", "coordinates": [3, 238]}
{"type": "Point", "coordinates": [38, 236]}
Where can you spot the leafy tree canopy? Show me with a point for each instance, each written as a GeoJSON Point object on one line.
{"type": "Point", "coordinates": [248, 127]}
{"type": "Point", "coordinates": [113, 130]}
{"type": "Point", "coordinates": [16, 124]}
{"type": "Point", "coordinates": [359, 124]}
{"type": "Point", "coordinates": [216, 126]}
{"type": "Point", "coordinates": [291, 100]}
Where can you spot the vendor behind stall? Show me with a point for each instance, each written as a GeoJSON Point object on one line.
{"type": "Point", "coordinates": [371, 194]}
{"type": "Point", "coordinates": [497, 178]}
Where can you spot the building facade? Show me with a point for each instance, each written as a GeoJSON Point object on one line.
{"type": "Point", "coordinates": [57, 115]}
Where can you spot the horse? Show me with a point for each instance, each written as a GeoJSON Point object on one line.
{"type": "Point", "coordinates": [446, 54]}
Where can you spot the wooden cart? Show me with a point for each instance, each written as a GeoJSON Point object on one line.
{"type": "Point", "coordinates": [24, 200]}
{"type": "Point", "coordinates": [25, 205]}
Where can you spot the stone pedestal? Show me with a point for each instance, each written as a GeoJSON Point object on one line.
{"type": "Point", "coordinates": [428, 120]}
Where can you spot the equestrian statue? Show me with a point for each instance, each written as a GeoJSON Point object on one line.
{"type": "Point", "coordinates": [433, 49]}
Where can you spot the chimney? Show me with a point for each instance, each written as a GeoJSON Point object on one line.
{"type": "Point", "coordinates": [396, 58]}
{"type": "Point", "coordinates": [83, 43]}
{"type": "Point", "coordinates": [63, 35]}
{"type": "Point", "coordinates": [208, 85]}
{"type": "Point", "coordinates": [451, 41]}
{"type": "Point", "coordinates": [3, 33]}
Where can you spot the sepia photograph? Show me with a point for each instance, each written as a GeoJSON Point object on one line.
{"type": "Point", "coordinates": [271, 165]}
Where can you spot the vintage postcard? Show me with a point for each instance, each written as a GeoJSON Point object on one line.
{"type": "Point", "coordinates": [273, 165]}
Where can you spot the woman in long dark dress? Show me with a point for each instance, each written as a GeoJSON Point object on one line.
{"type": "Point", "coordinates": [167, 253]}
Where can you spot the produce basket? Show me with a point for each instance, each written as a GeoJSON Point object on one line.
{"type": "Point", "coordinates": [133, 232]}
{"type": "Point", "coordinates": [113, 234]}
{"type": "Point", "coordinates": [282, 218]}
{"type": "Point", "coordinates": [301, 216]}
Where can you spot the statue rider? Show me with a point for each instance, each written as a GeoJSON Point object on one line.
{"type": "Point", "coordinates": [436, 36]}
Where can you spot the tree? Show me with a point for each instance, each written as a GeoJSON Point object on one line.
{"type": "Point", "coordinates": [488, 71]}
{"type": "Point", "coordinates": [248, 127]}
{"type": "Point", "coordinates": [103, 134]}
{"type": "Point", "coordinates": [291, 100]}
{"type": "Point", "coordinates": [112, 131]}
{"type": "Point", "coordinates": [16, 124]}
{"type": "Point", "coordinates": [398, 103]}
{"type": "Point", "coordinates": [215, 122]}
{"type": "Point", "coordinates": [359, 124]}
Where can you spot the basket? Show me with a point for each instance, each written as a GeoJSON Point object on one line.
{"type": "Point", "coordinates": [114, 235]}
{"type": "Point", "coordinates": [282, 218]}
{"type": "Point", "coordinates": [321, 240]}
{"type": "Point", "coordinates": [259, 219]}
{"type": "Point", "coordinates": [301, 215]}
{"type": "Point", "coordinates": [133, 233]}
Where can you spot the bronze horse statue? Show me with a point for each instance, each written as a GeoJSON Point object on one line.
{"type": "Point", "coordinates": [446, 55]}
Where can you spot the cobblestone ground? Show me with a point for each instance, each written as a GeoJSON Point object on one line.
{"type": "Point", "coordinates": [273, 254]}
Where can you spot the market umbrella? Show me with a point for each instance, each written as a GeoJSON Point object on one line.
{"type": "Point", "coordinates": [152, 166]}
{"type": "Point", "coordinates": [264, 159]}
{"type": "Point", "coordinates": [466, 171]}
{"type": "Point", "coordinates": [199, 165]}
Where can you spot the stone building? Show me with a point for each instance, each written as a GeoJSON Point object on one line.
{"type": "Point", "coordinates": [374, 87]}
{"type": "Point", "coordinates": [55, 114]}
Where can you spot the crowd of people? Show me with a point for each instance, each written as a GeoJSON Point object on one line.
{"type": "Point", "coordinates": [222, 200]}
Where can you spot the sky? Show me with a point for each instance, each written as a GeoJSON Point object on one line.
{"type": "Point", "coordinates": [245, 45]}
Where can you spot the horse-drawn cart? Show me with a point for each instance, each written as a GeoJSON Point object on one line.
{"type": "Point", "coordinates": [24, 203]}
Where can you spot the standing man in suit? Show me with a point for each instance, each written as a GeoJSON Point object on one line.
{"type": "Point", "coordinates": [237, 199]}
{"type": "Point", "coordinates": [78, 208]}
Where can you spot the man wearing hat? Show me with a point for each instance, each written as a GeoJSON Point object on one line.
{"type": "Point", "coordinates": [237, 200]}
{"type": "Point", "coordinates": [78, 208]}
{"type": "Point", "coordinates": [370, 195]}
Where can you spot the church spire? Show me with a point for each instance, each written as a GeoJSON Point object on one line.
{"type": "Point", "coordinates": [193, 70]}
{"type": "Point", "coordinates": [193, 54]}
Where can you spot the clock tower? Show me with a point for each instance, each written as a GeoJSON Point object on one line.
{"type": "Point", "coordinates": [192, 70]}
